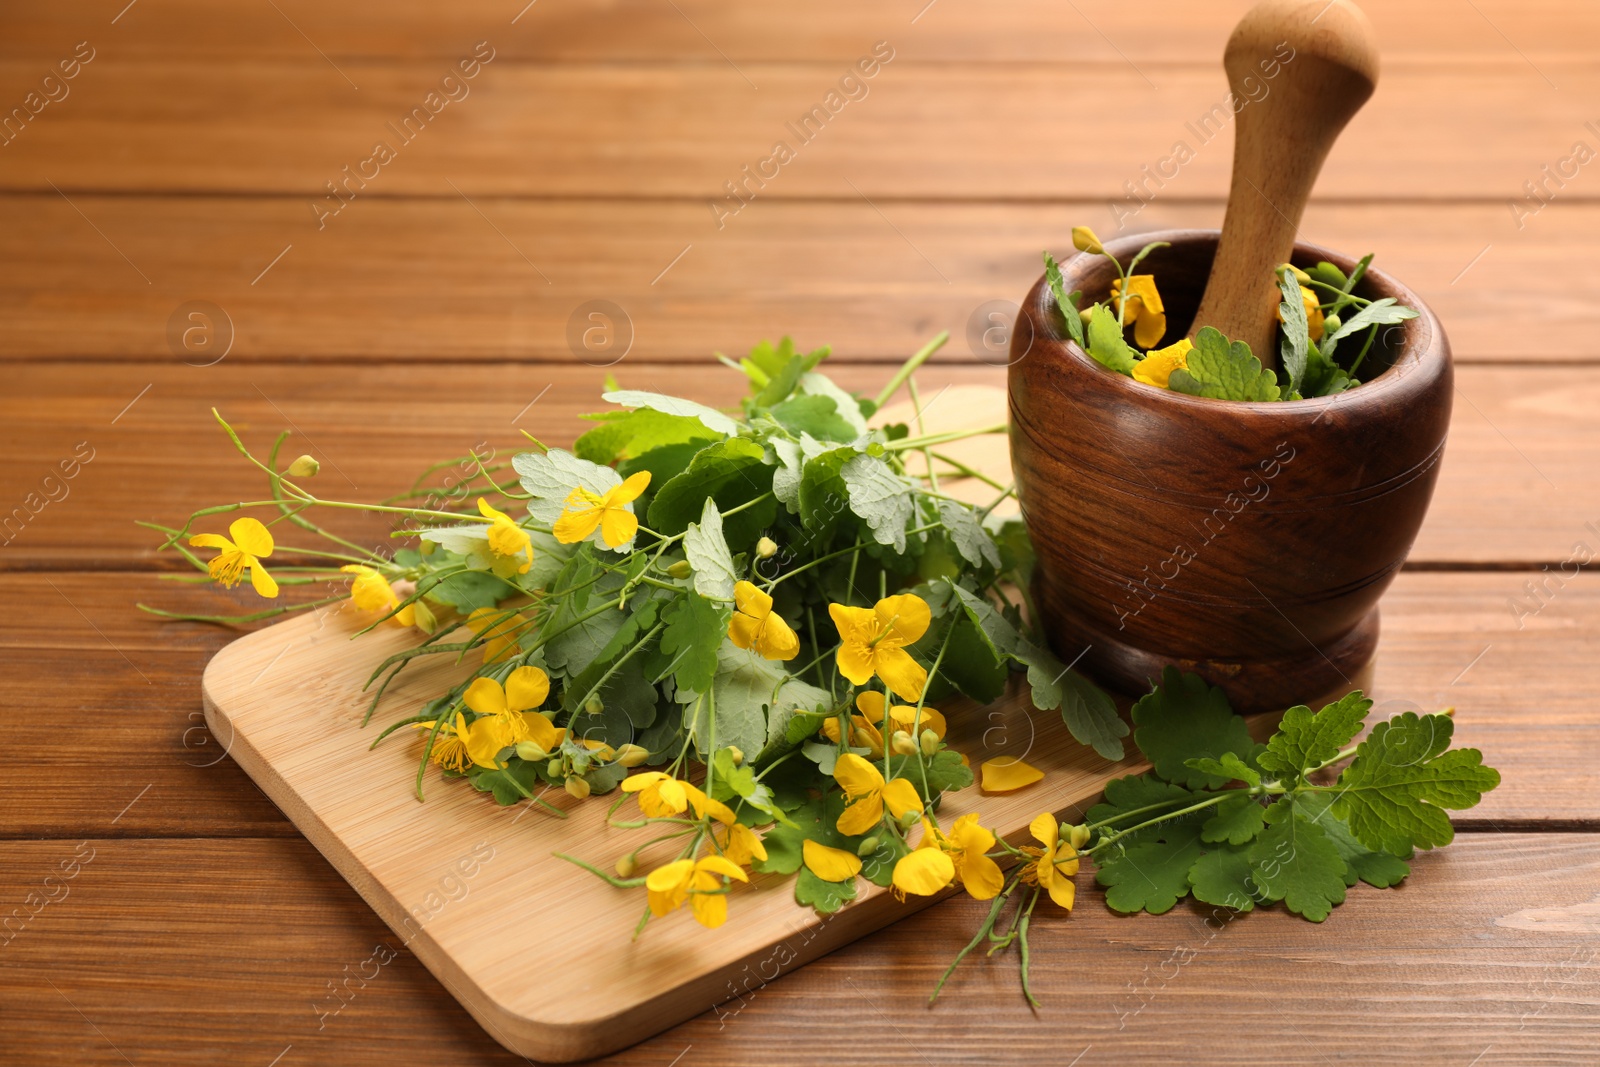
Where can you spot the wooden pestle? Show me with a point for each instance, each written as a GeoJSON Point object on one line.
{"type": "Point", "coordinates": [1281, 140]}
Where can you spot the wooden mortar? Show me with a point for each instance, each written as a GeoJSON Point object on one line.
{"type": "Point", "coordinates": [1247, 542]}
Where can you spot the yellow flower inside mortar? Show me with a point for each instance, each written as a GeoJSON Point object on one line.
{"type": "Point", "coordinates": [1143, 308]}
{"type": "Point", "coordinates": [700, 882]}
{"type": "Point", "coordinates": [251, 543]}
{"type": "Point", "coordinates": [1314, 318]}
{"type": "Point", "coordinates": [1157, 366]}
{"type": "Point", "coordinates": [510, 543]}
{"type": "Point", "coordinates": [371, 591]}
{"type": "Point", "coordinates": [942, 858]}
{"type": "Point", "coordinates": [610, 512]}
{"type": "Point", "coordinates": [755, 626]}
{"type": "Point", "coordinates": [873, 641]}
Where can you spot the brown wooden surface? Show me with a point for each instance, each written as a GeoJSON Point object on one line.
{"type": "Point", "coordinates": [419, 322]}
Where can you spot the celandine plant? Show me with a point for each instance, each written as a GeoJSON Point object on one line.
{"type": "Point", "coordinates": [766, 611]}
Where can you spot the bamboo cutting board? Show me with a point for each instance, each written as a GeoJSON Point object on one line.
{"type": "Point", "coordinates": [540, 951]}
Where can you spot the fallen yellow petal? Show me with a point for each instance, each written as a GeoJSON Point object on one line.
{"type": "Point", "coordinates": [1007, 774]}
{"type": "Point", "coordinates": [830, 864]}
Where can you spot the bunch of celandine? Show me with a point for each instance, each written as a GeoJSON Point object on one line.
{"type": "Point", "coordinates": [769, 596]}
{"type": "Point", "coordinates": [1311, 316]}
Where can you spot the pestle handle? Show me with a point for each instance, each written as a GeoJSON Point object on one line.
{"type": "Point", "coordinates": [1281, 140]}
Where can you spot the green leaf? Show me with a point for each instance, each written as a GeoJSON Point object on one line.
{"type": "Point", "coordinates": [1294, 861]}
{"type": "Point", "coordinates": [1295, 345]}
{"type": "Point", "coordinates": [1222, 877]}
{"type": "Point", "coordinates": [880, 497]}
{"type": "Point", "coordinates": [968, 535]}
{"type": "Point", "coordinates": [1323, 376]}
{"type": "Point", "coordinates": [815, 415]}
{"type": "Point", "coordinates": [754, 700]}
{"type": "Point", "coordinates": [708, 554]}
{"type": "Point", "coordinates": [1132, 792]}
{"type": "Point", "coordinates": [1182, 719]}
{"type": "Point", "coordinates": [1223, 371]}
{"type": "Point", "coordinates": [878, 866]}
{"type": "Point", "coordinates": [1227, 766]}
{"type": "Point", "coordinates": [623, 435]}
{"type": "Point", "coordinates": [470, 591]}
{"type": "Point", "coordinates": [1068, 303]}
{"type": "Point", "coordinates": [690, 644]}
{"type": "Point", "coordinates": [827, 897]}
{"type": "Point", "coordinates": [1306, 740]}
{"type": "Point", "coordinates": [1149, 871]}
{"type": "Point", "coordinates": [1328, 274]}
{"type": "Point", "coordinates": [1106, 344]}
{"type": "Point", "coordinates": [1089, 713]}
{"type": "Point", "coordinates": [1378, 869]}
{"type": "Point", "coordinates": [732, 472]}
{"type": "Point", "coordinates": [945, 773]}
{"type": "Point", "coordinates": [512, 784]}
{"type": "Point", "coordinates": [633, 626]}
{"type": "Point", "coordinates": [1385, 312]}
{"type": "Point", "coordinates": [1394, 795]}
{"type": "Point", "coordinates": [713, 419]}
{"type": "Point", "coordinates": [1237, 821]}
{"type": "Point", "coordinates": [847, 406]}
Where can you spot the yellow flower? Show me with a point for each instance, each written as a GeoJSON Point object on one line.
{"type": "Point", "coordinates": [739, 843]}
{"type": "Point", "coordinates": [507, 541]}
{"type": "Point", "coordinates": [1143, 309]}
{"type": "Point", "coordinates": [869, 794]}
{"type": "Point", "coordinates": [499, 628]}
{"type": "Point", "coordinates": [828, 863]}
{"type": "Point", "coordinates": [1157, 366]}
{"type": "Point", "coordinates": [939, 859]}
{"type": "Point", "coordinates": [662, 796]}
{"type": "Point", "coordinates": [371, 591]}
{"type": "Point", "coordinates": [1084, 240]}
{"type": "Point", "coordinates": [872, 641]}
{"type": "Point", "coordinates": [755, 626]}
{"type": "Point", "coordinates": [1007, 774]}
{"type": "Point", "coordinates": [250, 545]}
{"type": "Point", "coordinates": [449, 744]}
{"type": "Point", "coordinates": [866, 727]}
{"type": "Point", "coordinates": [610, 512]}
{"type": "Point", "coordinates": [506, 716]}
{"type": "Point", "coordinates": [701, 879]}
{"type": "Point", "coordinates": [1053, 865]}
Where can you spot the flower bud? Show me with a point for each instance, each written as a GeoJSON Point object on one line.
{"type": "Point", "coordinates": [737, 754]}
{"type": "Point", "coordinates": [626, 866]}
{"type": "Point", "coordinates": [632, 755]}
{"type": "Point", "coordinates": [580, 764]}
{"type": "Point", "coordinates": [1300, 276]}
{"type": "Point", "coordinates": [577, 787]}
{"type": "Point", "coordinates": [1085, 315]}
{"type": "Point", "coordinates": [304, 467]}
{"type": "Point", "coordinates": [929, 742]}
{"type": "Point", "coordinates": [1331, 324]}
{"type": "Point", "coordinates": [531, 752]}
{"type": "Point", "coordinates": [554, 768]}
{"type": "Point", "coordinates": [423, 617]}
{"type": "Point", "coordinates": [868, 846]}
{"type": "Point", "coordinates": [860, 738]}
{"type": "Point", "coordinates": [594, 706]}
{"type": "Point", "coordinates": [909, 819]}
{"type": "Point", "coordinates": [1077, 836]}
{"type": "Point", "coordinates": [680, 569]}
{"type": "Point", "coordinates": [766, 548]}
{"type": "Point", "coordinates": [902, 744]}
{"type": "Point", "coordinates": [1084, 240]}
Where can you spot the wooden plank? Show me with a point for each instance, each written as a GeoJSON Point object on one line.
{"type": "Point", "coordinates": [706, 31]}
{"type": "Point", "coordinates": [1487, 951]}
{"type": "Point", "coordinates": [1517, 487]}
{"type": "Point", "coordinates": [1448, 640]}
{"type": "Point", "coordinates": [436, 279]}
{"type": "Point", "coordinates": [1040, 130]}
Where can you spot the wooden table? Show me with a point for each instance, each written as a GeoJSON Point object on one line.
{"type": "Point", "coordinates": [435, 303]}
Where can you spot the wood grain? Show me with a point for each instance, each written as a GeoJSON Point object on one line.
{"type": "Point", "coordinates": [1487, 951]}
{"type": "Point", "coordinates": [1517, 486]}
{"type": "Point", "coordinates": [287, 127]}
{"type": "Point", "coordinates": [409, 280]}
{"type": "Point", "coordinates": [1515, 678]}
{"type": "Point", "coordinates": [714, 33]}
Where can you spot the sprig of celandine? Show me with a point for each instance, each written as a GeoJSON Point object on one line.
{"type": "Point", "coordinates": [602, 644]}
{"type": "Point", "coordinates": [1311, 327]}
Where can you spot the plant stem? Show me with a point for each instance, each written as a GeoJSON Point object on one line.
{"type": "Point", "coordinates": [909, 367]}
